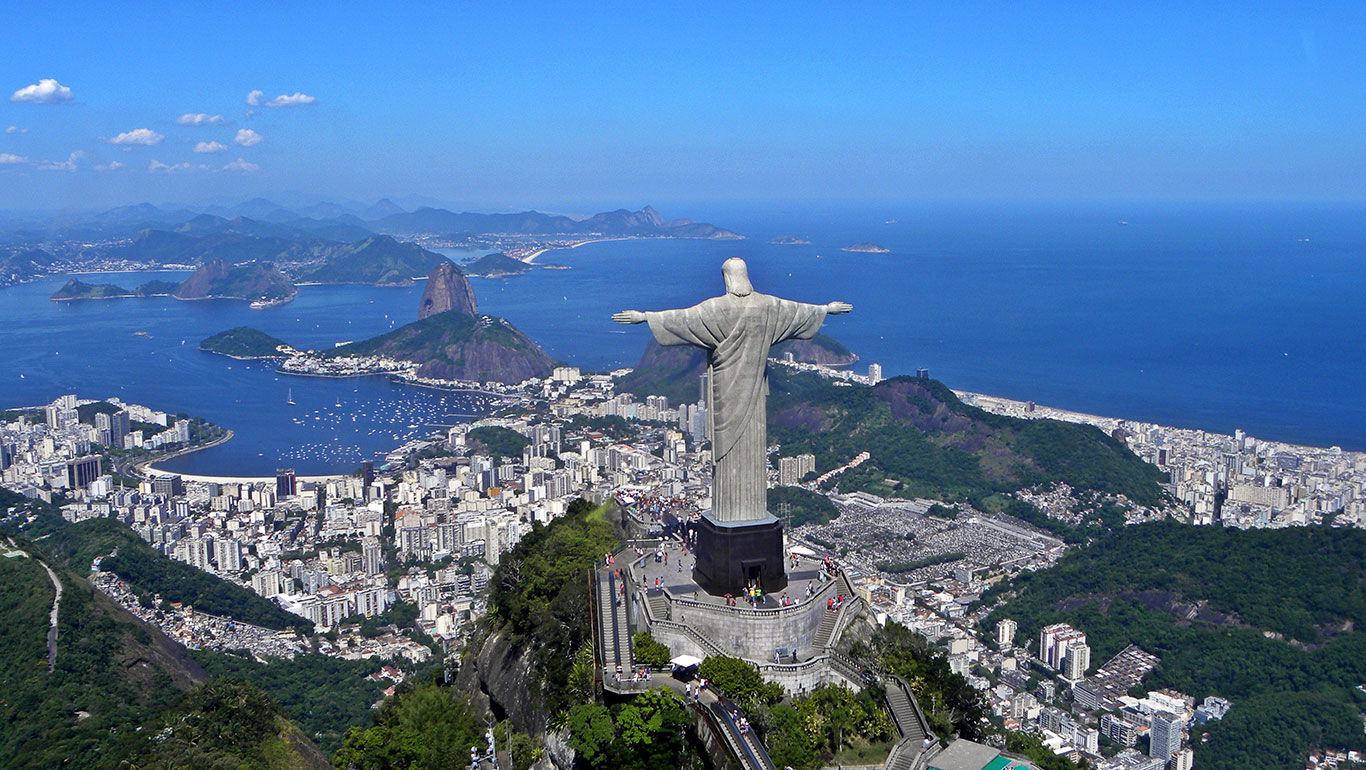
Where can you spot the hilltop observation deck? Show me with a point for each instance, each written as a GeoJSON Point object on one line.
{"type": "Point", "coordinates": [791, 642]}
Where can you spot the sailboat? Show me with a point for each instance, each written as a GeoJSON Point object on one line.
{"type": "Point", "coordinates": [291, 397]}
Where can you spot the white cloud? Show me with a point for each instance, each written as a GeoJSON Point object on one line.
{"type": "Point", "coordinates": [45, 91]}
{"type": "Point", "coordinates": [257, 98]}
{"type": "Point", "coordinates": [241, 165]}
{"type": "Point", "coordinates": [112, 165]}
{"type": "Point", "coordinates": [16, 130]}
{"type": "Point", "coordinates": [175, 168]}
{"type": "Point", "coordinates": [246, 137]}
{"type": "Point", "coordinates": [210, 147]}
{"type": "Point", "coordinates": [138, 136]}
{"type": "Point", "coordinates": [62, 165]}
{"type": "Point", "coordinates": [294, 100]}
{"type": "Point", "coordinates": [9, 159]}
{"type": "Point", "coordinates": [200, 119]}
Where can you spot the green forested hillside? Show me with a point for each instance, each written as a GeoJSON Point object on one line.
{"type": "Point", "coordinates": [111, 674]}
{"type": "Point", "coordinates": [326, 696]}
{"type": "Point", "coordinates": [226, 724]}
{"type": "Point", "coordinates": [145, 570]}
{"type": "Point", "coordinates": [378, 260]}
{"type": "Point", "coordinates": [1261, 617]}
{"type": "Point", "coordinates": [497, 442]}
{"type": "Point", "coordinates": [120, 694]}
{"type": "Point", "coordinates": [540, 592]}
{"type": "Point", "coordinates": [924, 442]}
{"type": "Point", "coordinates": [803, 506]}
{"type": "Point", "coordinates": [243, 342]}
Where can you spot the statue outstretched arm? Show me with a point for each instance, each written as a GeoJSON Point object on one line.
{"type": "Point", "coordinates": [838, 308]}
{"type": "Point", "coordinates": [629, 317]}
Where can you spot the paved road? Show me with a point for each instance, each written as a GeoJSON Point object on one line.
{"type": "Point", "coordinates": [56, 605]}
{"type": "Point", "coordinates": [52, 620]}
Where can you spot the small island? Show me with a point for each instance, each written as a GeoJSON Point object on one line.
{"type": "Point", "coordinates": [867, 248]}
{"type": "Point", "coordinates": [77, 289]}
{"type": "Point", "coordinates": [246, 342]}
{"type": "Point", "coordinates": [789, 240]}
{"type": "Point", "coordinates": [496, 265]}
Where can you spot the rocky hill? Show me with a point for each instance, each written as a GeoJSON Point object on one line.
{"type": "Point", "coordinates": [447, 290]}
{"type": "Point", "coordinates": [673, 371]}
{"type": "Point", "coordinates": [456, 346]}
{"type": "Point", "coordinates": [820, 349]}
{"type": "Point", "coordinates": [450, 341]}
{"type": "Point", "coordinates": [218, 278]}
{"type": "Point", "coordinates": [22, 265]}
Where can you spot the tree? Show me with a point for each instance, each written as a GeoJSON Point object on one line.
{"type": "Point", "coordinates": [591, 732]}
{"type": "Point", "coordinates": [648, 651]}
{"type": "Point", "coordinates": [421, 729]}
{"type": "Point", "coordinates": [739, 680]}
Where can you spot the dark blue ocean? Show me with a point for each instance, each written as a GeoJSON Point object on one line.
{"type": "Point", "coordinates": [1202, 316]}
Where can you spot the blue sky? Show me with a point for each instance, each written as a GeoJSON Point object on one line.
{"type": "Point", "coordinates": [497, 106]}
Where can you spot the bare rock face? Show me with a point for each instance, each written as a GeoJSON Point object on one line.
{"type": "Point", "coordinates": [447, 289]}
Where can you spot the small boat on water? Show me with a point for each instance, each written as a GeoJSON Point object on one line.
{"type": "Point", "coordinates": [290, 400]}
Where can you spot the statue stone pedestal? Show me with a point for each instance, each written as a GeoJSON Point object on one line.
{"type": "Point", "coordinates": [732, 554]}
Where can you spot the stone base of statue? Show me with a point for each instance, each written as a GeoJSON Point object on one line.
{"type": "Point", "coordinates": [730, 556]}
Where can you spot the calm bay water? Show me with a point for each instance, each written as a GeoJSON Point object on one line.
{"type": "Point", "coordinates": [1214, 317]}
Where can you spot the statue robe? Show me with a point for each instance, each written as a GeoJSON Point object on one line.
{"type": "Point", "coordinates": [737, 333]}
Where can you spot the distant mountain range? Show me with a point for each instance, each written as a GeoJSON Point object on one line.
{"type": "Point", "coordinates": [330, 221]}
{"type": "Point", "coordinates": [646, 222]}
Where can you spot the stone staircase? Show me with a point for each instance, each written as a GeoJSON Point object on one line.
{"type": "Point", "coordinates": [910, 722]}
{"type": "Point", "coordinates": [615, 635]}
{"type": "Point", "coordinates": [659, 606]}
{"type": "Point", "coordinates": [821, 639]}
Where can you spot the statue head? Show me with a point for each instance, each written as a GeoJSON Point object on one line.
{"type": "Point", "coordinates": [736, 273]}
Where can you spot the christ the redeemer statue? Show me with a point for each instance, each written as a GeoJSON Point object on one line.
{"type": "Point", "coordinates": [737, 329]}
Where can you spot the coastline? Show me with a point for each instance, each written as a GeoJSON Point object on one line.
{"type": "Point", "coordinates": [531, 258]}
{"type": "Point", "coordinates": [147, 468]}
{"type": "Point", "coordinates": [142, 468]}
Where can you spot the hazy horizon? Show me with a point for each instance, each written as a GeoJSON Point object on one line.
{"type": "Point", "coordinates": [525, 107]}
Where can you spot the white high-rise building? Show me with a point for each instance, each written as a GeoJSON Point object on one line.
{"type": "Point", "coordinates": [372, 556]}
{"type": "Point", "coordinates": [1005, 633]}
{"type": "Point", "coordinates": [874, 373]}
{"type": "Point", "coordinates": [1077, 661]}
{"type": "Point", "coordinates": [1053, 643]}
{"type": "Point", "coordinates": [1165, 736]}
{"type": "Point", "coordinates": [228, 553]}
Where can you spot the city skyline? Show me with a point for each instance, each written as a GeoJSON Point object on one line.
{"type": "Point", "coordinates": [528, 107]}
